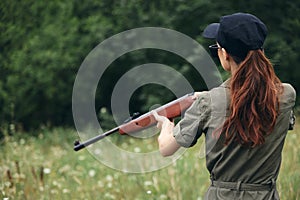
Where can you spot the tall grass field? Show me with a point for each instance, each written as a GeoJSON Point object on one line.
{"type": "Point", "coordinates": [45, 167]}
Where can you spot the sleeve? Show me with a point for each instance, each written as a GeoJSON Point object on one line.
{"type": "Point", "coordinates": [191, 126]}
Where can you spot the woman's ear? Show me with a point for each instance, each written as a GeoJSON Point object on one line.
{"type": "Point", "coordinates": [225, 54]}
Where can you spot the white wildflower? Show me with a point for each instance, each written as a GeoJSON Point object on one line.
{"type": "Point", "coordinates": [92, 173]}
{"type": "Point", "coordinates": [22, 141]}
{"type": "Point", "coordinates": [109, 178]}
{"type": "Point", "coordinates": [66, 191]}
{"type": "Point", "coordinates": [47, 171]}
{"type": "Point", "coordinates": [148, 183]}
{"type": "Point", "coordinates": [137, 150]}
{"type": "Point", "coordinates": [163, 196]}
{"type": "Point", "coordinates": [81, 158]}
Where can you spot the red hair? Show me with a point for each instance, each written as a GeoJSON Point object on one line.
{"type": "Point", "coordinates": [254, 91]}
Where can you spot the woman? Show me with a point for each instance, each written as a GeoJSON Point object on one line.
{"type": "Point", "coordinates": [244, 132]}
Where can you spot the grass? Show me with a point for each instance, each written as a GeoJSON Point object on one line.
{"type": "Point", "coordinates": [46, 167]}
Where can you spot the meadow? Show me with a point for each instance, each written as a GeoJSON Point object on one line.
{"type": "Point", "coordinates": [45, 167]}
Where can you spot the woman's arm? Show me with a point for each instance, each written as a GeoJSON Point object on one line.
{"type": "Point", "coordinates": [166, 141]}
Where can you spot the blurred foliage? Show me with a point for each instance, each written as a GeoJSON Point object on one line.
{"type": "Point", "coordinates": [43, 44]}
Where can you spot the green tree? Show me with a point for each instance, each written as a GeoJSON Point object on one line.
{"type": "Point", "coordinates": [43, 44]}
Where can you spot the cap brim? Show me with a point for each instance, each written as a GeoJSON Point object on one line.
{"type": "Point", "coordinates": [211, 31]}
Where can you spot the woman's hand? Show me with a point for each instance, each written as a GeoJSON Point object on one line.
{"type": "Point", "coordinates": [196, 94]}
{"type": "Point", "coordinates": [162, 121]}
{"type": "Point", "coordinates": [166, 141]}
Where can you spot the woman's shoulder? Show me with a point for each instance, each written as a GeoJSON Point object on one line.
{"type": "Point", "coordinates": [289, 88]}
{"type": "Point", "coordinates": [215, 100]}
{"type": "Point", "coordinates": [289, 91]}
{"type": "Point", "coordinates": [288, 96]}
{"type": "Point", "coordinates": [217, 93]}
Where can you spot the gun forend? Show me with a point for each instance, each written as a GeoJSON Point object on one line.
{"type": "Point", "coordinates": [170, 110]}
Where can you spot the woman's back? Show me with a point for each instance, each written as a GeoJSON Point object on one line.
{"type": "Point", "coordinates": [236, 163]}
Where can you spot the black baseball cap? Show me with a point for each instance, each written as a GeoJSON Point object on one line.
{"type": "Point", "coordinates": [238, 33]}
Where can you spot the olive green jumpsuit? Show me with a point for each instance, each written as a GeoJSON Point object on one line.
{"type": "Point", "coordinates": [237, 172]}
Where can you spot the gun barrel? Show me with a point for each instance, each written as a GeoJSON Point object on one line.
{"type": "Point", "coordinates": [78, 145]}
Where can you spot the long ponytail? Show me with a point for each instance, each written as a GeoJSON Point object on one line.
{"type": "Point", "coordinates": [254, 101]}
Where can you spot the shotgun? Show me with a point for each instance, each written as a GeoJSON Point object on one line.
{"type": "Point", "coordinates": [136, 123]}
